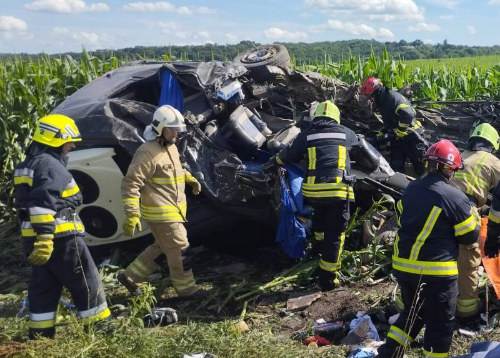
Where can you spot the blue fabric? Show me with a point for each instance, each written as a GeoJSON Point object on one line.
{"type": "Point", "coordinates": [171, 92]}
{"type": "Point", "coordinates": [487, 349]}
{"type": "Point", "coordinates": [360, 317]}
{"type": "Point", "coordinates": [295, 177]}
{"type": "Point", "coordinates": [291, 234]}
{"type": "Point", "coordinates": [360, 353]}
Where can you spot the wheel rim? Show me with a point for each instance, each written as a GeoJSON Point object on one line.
{"type": "Point", "coordinates": [259, 55]}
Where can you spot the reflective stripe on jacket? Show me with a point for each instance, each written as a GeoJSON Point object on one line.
{"type": "Point", "coordinates": [326, 146]}
{"type": "Point", "coordinates": [44, 190]}
{"type": "Point", "coordinates": [433, 217]}
{"type": "Point", "coordinates": [154, 184]}
{"type": "Point", "coordinates": [480, 174]}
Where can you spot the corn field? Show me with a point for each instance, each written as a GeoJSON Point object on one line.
{"type": "Point", "coordinates": [32, 88]}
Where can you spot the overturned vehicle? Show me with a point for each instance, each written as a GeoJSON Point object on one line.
{"type": "Point", "coordinates": [238, 114]}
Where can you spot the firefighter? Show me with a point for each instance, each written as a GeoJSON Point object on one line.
{"type": "Point", "coordinates": [153, 190]}
{"type": "Point", "coordinates": [480, 175]}
{"type": "Point", "coordinates": [434, 218]}
{"type": "Point", "coordinates": [46, 198]}
{"type": "Point", "coordinates": [326, 145]}
{"type": "Point", "coordinates": [404, 131]}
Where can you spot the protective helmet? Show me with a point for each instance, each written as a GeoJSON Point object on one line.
{"type": "Point", "coordinates": [55, 130]}
{"type": "Point", "coordinates": [444, 152]}
{"type": "Point", "coordinates": [328, 109]}
{"type": "Point", "coordinates": [167, 117]}
{"type": "Point", "coordinates": [370, 85]}
{"type": "Point", "coordinates": [488, 132]}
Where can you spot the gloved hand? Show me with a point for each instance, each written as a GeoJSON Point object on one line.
{"type": "Point", "coordinates": [484, 210]}
{"type": "Point", "coordinates": [491, 247]}
{"type": "Point", "coordinates": [400, 133]}
{"type": "Point", "coordinates": [130, 223]}
{"type": "Point", "coordinates": [44, 245]}
{"type": "Point", "coordinates": [193, 182]}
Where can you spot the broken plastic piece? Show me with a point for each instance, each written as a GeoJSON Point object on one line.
{"type": "Point", "coordinates": [230, 90]}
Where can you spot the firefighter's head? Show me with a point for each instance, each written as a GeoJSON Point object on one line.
{"type": "Point", "coordinates": [487, 133]}
{"type": "Point", "coordinates": [167, 123]}
{"type": "Point", "coordinates": [444, 158]}
{"type": "Point", "coordinates": [329, 110]}
{"type": "Point", "coordinates": [57, 131]}
{"type": "Point", "coordinates": [370, 86]}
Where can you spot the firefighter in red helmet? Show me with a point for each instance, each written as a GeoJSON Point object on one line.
{"type": "Point", "coordinates": [404, 131]}
{"type": "Point", "coordinates": [434, 218]}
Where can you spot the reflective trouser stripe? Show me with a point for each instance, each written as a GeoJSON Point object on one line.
{"type": "Point", "coordinates": [95, 314]}
{"type": "Point", "coordinates": [139, 269]}
{"type": "Point", "coordinates": [42, 320]}
{"type": "Point", "coordinates": [329, 266]}
{"type": "Point", "coordinates": [180, 285]}
{"type": "Point", "coordinates": [428, 354]}
{"type": "Point", "coordinates": [399, 336]}
{"type": "Point", "coordinates": [467, 306]}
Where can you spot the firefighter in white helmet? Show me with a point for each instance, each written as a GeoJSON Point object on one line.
{"type": "Point", "coordinates": [153, 190]}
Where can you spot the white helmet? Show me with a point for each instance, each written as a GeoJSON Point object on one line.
{"type": "Point", "coordinates": [167, 117]}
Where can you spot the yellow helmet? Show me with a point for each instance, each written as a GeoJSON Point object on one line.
{"type": "Point", "coordinates": [328, 109]}
{"type": "Point", "coordinates": [55, 130]}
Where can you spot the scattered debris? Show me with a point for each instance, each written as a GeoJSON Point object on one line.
{"type": "Point", "coordinates": [320, 341]}
{"type": "Point", "coordinates": [300, 303]}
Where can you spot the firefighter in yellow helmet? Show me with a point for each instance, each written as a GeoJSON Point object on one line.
{"type": "Point", "coordinates": [479, 176]}
{"type": "Point", "coordinates": [46, 199]}
{"type": "Point", "coordinates": [153, 190]}
{"type": "Point", "coordinates": [326, 145]}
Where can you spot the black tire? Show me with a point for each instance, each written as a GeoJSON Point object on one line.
{"type": "Point", "coordinates": [267, 55]}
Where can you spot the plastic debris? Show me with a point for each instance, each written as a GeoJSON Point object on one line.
{"type": "Point", "coordinates": [161, 316]}
{"type": "Point", "coordinates": [393, 318]}
{"type": "Point", "coordinates": [320, 341]}
{"type": "Point", "coordinates": [198, 355]}
{"type": "Point", "coordinates": [302, 302]}
{"type": "Point", "coordinates": [323, 327]}
{"type": "Point", "coordinates": [363, 353]}
{"type": "Point", "coordinates": [361, 329]}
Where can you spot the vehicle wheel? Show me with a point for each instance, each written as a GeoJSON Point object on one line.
{"type": "Point", "coordinates": [258, 58]}
{"type": "Point", "coordinates": [274, 55]}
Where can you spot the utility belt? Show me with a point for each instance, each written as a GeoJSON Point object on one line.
{"type": "Point", "coordinates": [333, 173]}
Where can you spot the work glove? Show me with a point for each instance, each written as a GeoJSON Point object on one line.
{"type": "Point", "coordinates": [484, 210]}
{"type": "Point", "coordinates": [130, 223]}
{"type": "Point", "coordinates": [491, 247]}
{"type": "Point", "coordinates": [193, 183]}
{"type": "Point", "coordinates": [44, 245]}
{"type": "Point", "coordinates": [400, 133]}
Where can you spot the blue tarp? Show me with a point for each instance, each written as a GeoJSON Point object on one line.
{"type": "Point", "coordinates": [295, 176]}
{"type": "Point", "coordinates": [291, 233]}
{"type": "Point", "coordinates": [171, 92]}
{"type": "Point", "coordinates": [488, 349]}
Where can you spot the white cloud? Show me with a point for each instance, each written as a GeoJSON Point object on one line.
{"type": "Point", "coordinates": [202, 34]}
{"type": "Point", "coordinates": [353, 29]}
{"type": "Point", "coordinates": [231, 37]}
{"type": "Point", "coordinates": [168, 25]}
{"type": "Point", "coordinates": [424, 27]}
{"type": "Point", "coordinates": [89, 40]}
{"type": "Point", "coordinates": [429, 42]}
{"type": "Point", "coordinates": [383, 10]}
{"type": "Point", "coordinates": [66, 6]}
{"type": "Point", "coordinates": [11, 23]}
{"type": "Point", "coordinates": [183, 10]}
{"type": "Point", "coordinates": [446, 17]}
{"type": "Point", "coordinates": [494, 2]}
{"type": "Point", "coordinates": [276, 33]}
{"type": "Point", "coordinates": [205, 10]}
{"type": "Point", "coordinates": [161, 6]}
{"type": "Point", "coordinates": [471, 29]}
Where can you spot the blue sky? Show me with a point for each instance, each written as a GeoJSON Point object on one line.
{"type": "Point", "coordinates": [55, 26]}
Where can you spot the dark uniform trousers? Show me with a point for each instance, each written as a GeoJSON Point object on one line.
{"type": "Point", "coordinates": [410, 147]}
{"type": "Point", "coordinates": [328, 221]}
{"type": "Point", "coordinates": [71, 266]}
{"type": "Point", "coordinates": [429, 303]}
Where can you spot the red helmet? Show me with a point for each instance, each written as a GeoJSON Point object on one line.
{"type": "Point", "coordinates": [370, 85]}
{"type": "Point", "coordinates": [446, 153]}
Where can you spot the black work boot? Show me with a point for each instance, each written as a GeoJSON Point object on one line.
{"type": "Point", "coordinates": [129, 285]}
{"type": "Point", "coordinates": [328, 280]}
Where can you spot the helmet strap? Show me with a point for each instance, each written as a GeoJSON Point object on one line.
{"type": "Point", "coordinates": [163, 142]}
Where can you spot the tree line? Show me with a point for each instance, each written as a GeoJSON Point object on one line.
{"type": "Point", "coordinates": [302, 52]}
